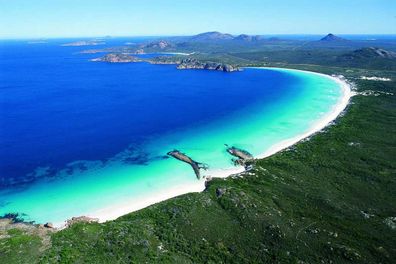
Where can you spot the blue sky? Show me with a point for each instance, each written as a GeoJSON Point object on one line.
{"type": "Point", "coordinates": [74, 18]}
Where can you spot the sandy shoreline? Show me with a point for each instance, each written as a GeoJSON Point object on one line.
{"type": "Point", "coordinates": [128, 206]}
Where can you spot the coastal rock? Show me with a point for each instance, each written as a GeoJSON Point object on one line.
{"type": "Point", "coordinates": [242, 155]}
{"type": "Point", "coordinates": [183, 157]}
{"type": "Point", "coordinates": [191, 63]}
{"type": "Point", "coordinates": [49, 225]}
{"type": "Point", "coordinates": [164, 60]}
{"type": "Point", "coordinates": [117, 58]}
{"type": "Point", "coordinates": [79, 219]}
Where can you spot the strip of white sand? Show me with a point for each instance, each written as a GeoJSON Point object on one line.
{"type": "Point", "coordinates": [134, 204]}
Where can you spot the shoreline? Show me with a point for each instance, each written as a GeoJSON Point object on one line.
{"type": "Point", "coordinates": [132, 205]}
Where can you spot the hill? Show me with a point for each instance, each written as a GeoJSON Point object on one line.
{"type": "Point", "coordinates": [210, 36]}
{"type": "Point", "coordinates": [369, 53]}
{"type": "Point", "coordinates": [244, 37]}
{"type": "Point", "coordinates": [332, 38]}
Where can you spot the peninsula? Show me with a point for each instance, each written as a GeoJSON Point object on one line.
{"type": "Point", "coordinates": [117, 58]}
{"type": "Point", "coordinates": [182, 64]}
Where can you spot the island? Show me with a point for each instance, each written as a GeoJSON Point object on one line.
{"type": "Point", "coordinates": [83, 43]}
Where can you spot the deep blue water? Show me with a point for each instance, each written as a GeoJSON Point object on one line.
{"type": "Point", "coordinates": [57, 107]}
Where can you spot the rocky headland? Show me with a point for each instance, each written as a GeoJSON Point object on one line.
{"type": "Point", "coordinates": [117, 58]}
{"type": "Point", "coordinates": [191, 63]}
{"type": "Point", "coordinates": [182, 64]}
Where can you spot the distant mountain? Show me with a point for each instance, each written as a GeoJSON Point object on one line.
{"type": "Point", "coordinates": [369, 53]}
{"type": "Point", "coordinates": [161, 44]}
{"type": "Point", "coordinates": [218, 36]}
{"type": "Point", "coordinates": [244, 37]}
{"type": "Point", "coordinates": [214, 35]}
{"type": "Point", "coordinates": [332, 38]}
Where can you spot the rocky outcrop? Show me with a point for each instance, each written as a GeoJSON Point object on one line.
{"type": "Point", "coordinates": [183, 157]}
{"type": "Point", "coordinates": [49, 225]}
{"type": "Point", "coordinates": [242, 156]}
{"type": "Point", "coordinates": [220, 191]}
{"type": "Point", "coordinates": [162, 44]}
{"type": "Point", "coordinates": [80, 219]}
{"type": "Point", "coordinates": [117, 58]}
{"type": "Point", "coordinates": [195, 64]}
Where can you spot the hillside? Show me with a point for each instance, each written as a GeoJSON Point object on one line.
{"type": "Point", "coordinates": [211, 36]}
{"type": "Point", "coordinates": [332, 38]}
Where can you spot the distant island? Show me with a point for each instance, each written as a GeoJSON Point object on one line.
{"type": "Point", "coordinates": [84, 43]}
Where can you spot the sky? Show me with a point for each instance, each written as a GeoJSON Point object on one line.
{"type": "Point", "coordinates": [89, 18]}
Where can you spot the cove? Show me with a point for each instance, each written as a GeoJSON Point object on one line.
{"type": "Point", "coordinates": [83, 138]}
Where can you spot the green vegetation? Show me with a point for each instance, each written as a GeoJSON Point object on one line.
{"type": "Point", "coordinates": [329, 199]}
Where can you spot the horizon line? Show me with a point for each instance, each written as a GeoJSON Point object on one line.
{"type": "Point", "coordinates": [187, 35]}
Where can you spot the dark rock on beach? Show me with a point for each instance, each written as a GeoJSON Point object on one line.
{"type": "Point", "coordinates": [49, 225]}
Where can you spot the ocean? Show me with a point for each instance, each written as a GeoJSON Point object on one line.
{"type": "Point", "coordinates": [90, 138]}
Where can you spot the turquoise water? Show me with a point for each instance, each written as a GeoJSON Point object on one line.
{"type": "Point", "coordinates": [254, 129]}
{"type": "Point", "coordinates": [254, 110]}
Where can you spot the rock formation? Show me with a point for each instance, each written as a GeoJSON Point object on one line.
{"type": "Point", "coordinates": [191, 63]}
{"type": "Point", "coordinates": [117, 58]}
{"type": "Point", "coordinates": [183, 157]}
{"type": "Point", "coordinates": [242, 155]}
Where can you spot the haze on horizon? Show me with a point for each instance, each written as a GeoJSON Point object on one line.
{"type": "Point", "coordinates": [91, 18]}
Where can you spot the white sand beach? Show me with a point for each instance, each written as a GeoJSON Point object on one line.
{"type": "Point", "coordinates": [127, 206]}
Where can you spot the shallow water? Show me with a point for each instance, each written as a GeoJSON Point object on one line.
{"type": "Point", "coordinates": [78, 136]}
